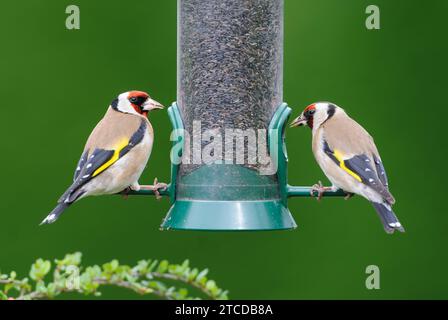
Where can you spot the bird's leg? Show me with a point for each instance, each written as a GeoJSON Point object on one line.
{"type": "Point", "coordinates": [348, 195]}
{"type": "Point", "coordinates": [133, 187]}
{"type": "Point", "coordinates": [155, 187]}
{"type": "Point", "coordinates": [320, 189]}
{"type": "Point", "coordinates": [125, 193]}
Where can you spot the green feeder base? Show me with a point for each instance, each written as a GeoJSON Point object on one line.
{"type": "Point", "coordinates": [228, 216]}
{"type": "Point", "coordinates": [227, 197]}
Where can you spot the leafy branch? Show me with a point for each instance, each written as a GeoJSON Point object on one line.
{"type": "Point", "coordinates": [147, 277]}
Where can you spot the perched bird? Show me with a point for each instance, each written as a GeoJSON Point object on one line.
{"type": "Point", "coordinates": [115, 154]}
{"type": "Point", "coordinates": [349, 158]}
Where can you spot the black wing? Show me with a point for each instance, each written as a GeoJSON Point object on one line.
{"type": "Point", "coordinates": [362, 169]}
{"type": "Point", "coordinates": [86, 173]}
{"type": "Point", "coordinates": [80, 165]}
{"type": "Point", "coordinates": [381, 171]}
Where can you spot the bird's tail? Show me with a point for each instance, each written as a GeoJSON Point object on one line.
{"type": "Point", "coordinates": [388, 217]}
{"type": "Point", "coordinates": [54, 215]}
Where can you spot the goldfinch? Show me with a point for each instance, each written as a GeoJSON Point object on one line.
{"type": "Point", "coordinates": [349, 158]}
{"type": "Point", "coordinates": [115, 154]}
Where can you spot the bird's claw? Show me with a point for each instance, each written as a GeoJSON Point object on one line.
{"type": "Point", "coordinates": [320, 189]}
{"type": "Point", "coordinates": [158, 185]}
{"type": "Point", "coordinates": [348, 195]}
{"type": "Point", "coordinates": [155, 187]}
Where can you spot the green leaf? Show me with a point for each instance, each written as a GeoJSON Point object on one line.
{"type": "Point", "coordinates": [210, 285]}
{"type": "Point", "coordinates": [223, 296]}
{"type": "Point", "coordinates": [87, 279]}
{"type": "Point", "coordinates": [186, 263]}
{"type": "Point", "coordinates": [51, 290]}
{"type": "Point", "coordinates": [3, 296]}
{"type": "Point", "coordinates": [111, 267]}
{"type": "Point", "coordinates": [192, 274]}
{"type": "Point", "coordinates": [40, 287]}
{"type": "Point", "coordinates": [202, 275]}
{"type": "Point", "coordinates": [73, 259]}
{"type": "Point", "coordinates": [40, 269]}
{"type": "Point", "coordinates": [157, 285]}
{"type": "Point", "coordinates": [8, 287]}
{"type": "Point", "coordinates": [182, 293]}
{"type": "Point", "coordinates": [114, 263]}
{"type": "Point", "coordinates": [87, 284]}
{"type": "Point", "coordinates": [163, 266]}
{"type": "Point", "coordinates": [170, 291]}
{"type": "Point", "coordinates": [141, 267]}
{"type": "Point", "coordinates": [93, 271]}
{"type": "Point", "coordinates": [152, 265]}
{"type": "Point", "coordinates": [184, 266]}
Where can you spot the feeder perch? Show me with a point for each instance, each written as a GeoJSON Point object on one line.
{"type": "Point", "coordinates": [230, 75]}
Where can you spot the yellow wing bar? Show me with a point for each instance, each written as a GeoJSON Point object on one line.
{"type": "Point", "coordinates": [338, 156]}
{"type": "Point", "coordinates": [114, 158]}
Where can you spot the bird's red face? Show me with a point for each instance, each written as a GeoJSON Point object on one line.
{"type": "Point", "coordinates": [306, 118]}
{"type": "Point", "coordinates": [137, 99]}
{"type": "Point", "coordinates": [142, 103]}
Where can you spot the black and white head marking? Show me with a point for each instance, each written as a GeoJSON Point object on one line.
{"type": "Point", "coordinates": [123, 104]}
{"type": "Point", "coordinates": [331, 110]}
{"type": "Point", "coordinates": [324, 112]}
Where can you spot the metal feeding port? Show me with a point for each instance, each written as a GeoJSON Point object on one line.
{"type": "Point", "coordinates": [229, 160]}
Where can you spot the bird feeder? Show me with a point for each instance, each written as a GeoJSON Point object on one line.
{"type": "Point", "coordinates": [230, 81]}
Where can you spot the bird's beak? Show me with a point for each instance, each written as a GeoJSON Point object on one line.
{"type": "Point", "coordinates": [151, 104]}
{"type": "Point", "coordinates": [299, 121]}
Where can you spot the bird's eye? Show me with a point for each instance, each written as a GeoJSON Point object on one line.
{"type": "Point", "coordinates": [310, 112]}
{"type": "Point", "coordinates": [133, 100]}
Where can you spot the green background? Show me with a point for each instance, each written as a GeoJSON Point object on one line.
{"type": "Point", "coordinates": [55, 84]}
